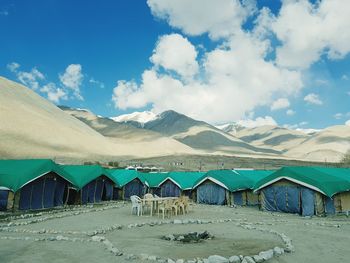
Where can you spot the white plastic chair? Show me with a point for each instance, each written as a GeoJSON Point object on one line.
{"type": "Point", "coordinates": [136, 203]}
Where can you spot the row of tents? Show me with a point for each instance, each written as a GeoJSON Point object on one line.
{"type": "Point", "coordinates": [41, 183]}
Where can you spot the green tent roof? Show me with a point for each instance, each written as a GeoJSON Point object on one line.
{"type": "Point", "coordinates": [154, 179]}
{"type": "Point", "coordinates": [228, 179]}
{"type": "Point", "coordinates": [123, 176]}
{"type": "Point", "coordinates": [185, 180]}
{"type": "Point", "coordinates": [81, 175]}
{"type": "Point", "coordinates": [14, 174]}
{"type": "Point", "coordinates": [255, 175]}
{"type": "Point", "coordinates": [327, 181]}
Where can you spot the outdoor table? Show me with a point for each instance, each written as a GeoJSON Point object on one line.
{"type": "Point", "coordinates": [155, 201]}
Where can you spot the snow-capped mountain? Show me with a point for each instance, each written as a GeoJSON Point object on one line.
{"type": "Point", "coordinates": [140, 117]}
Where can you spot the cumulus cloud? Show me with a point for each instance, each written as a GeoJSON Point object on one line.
{"type": "Point", "coordinates": [281, 103]}
{"type": "Point", "coordinates": [260, 121]}
{"type": "Point", "coordinates": [54, 93]}
{"type": "Point", "coordinates": [347, 123]}
{"type": "Point", "coordinates": [313, 98]}
{"type": "Point", "coordinates": [235, 78]}
{"type": "Point", "coordinates": [72, 78]}
{"type": "Point", "coordinates": [174, 52]}
{"type": "Point", "coordinates": [30, 79]}
{"type": "Point", "coordinates": [308, 31]}
{"type": "Point", "coordinates": [290, 112]}
{"type": "Point", "coordinates": [203, 16]}
{"type": "Point", "coordinates": [34, 79]}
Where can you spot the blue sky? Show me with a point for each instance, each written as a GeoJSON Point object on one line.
{"type": "Point", "coordinates": [83, 48]}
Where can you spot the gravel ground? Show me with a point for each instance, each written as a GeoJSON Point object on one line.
{"type": "Point", "coordinates": [75, 236]}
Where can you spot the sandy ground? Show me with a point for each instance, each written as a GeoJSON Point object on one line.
{"type": "Point", "coordinates": [315, 240]}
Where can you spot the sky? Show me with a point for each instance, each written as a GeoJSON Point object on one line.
{"type": "Point", "coordinates": [253, 62]}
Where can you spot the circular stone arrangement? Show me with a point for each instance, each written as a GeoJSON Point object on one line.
{"type": "Point", "coordinates": [192, 237]}
{"type": "Point", "coordinates": [98, 235]}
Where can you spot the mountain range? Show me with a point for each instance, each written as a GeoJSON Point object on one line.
{"type": "Point", "coordinates": [31, 126]}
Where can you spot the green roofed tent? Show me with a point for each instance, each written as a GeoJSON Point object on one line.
{"type": "Point", "coordinates": [185, 180]}
{"type": "Point", "coordinates": [327, 181]}
{"type": "Point", "coordinates": [132, 182]}
{"type": "Point", "coordinates": [81, 175]}
{"type": "Point", "coordinates": [14, 174]}
{"type": "Point", "coordinates": [32, 184]}
{"type": "Point", "coordinates": [304, 190]}
{"type": "Point", "coordinates": [228, 179]}
{"type": "Point", "coordinates": [94, 182]}
{"type": "Point", "coordinates": [215, 186]}
{"type": "Point", "coordinates": [248, 197]}
{"type": "Point", "coordinates": [254, 175]}
{"type": "Point", "coordinates": [154, 179]}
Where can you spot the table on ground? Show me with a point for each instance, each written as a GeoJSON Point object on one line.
{"type": "Point", "coordinates": [154, 200]}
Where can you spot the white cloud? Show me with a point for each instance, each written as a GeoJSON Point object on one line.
{"type": "Point", "coordinates": [338, 116]}
{"type": "Point", "coordinates": [281, 103]}
{"type": "Point", "coordinates": [347, 123]}
{"type": "Point", "coordinates": [13, 66]}
{"type": "Point", "coordinates": [174, 52]}
{"type": "Point", "coordinates": [72, 78]}
{"type": "Point", "coordinates": [54, 93]}
{"type": "Point", "coordinates": [235, 79]}
{"type": "Point", "coordinates": [30, 79]}
{"type": "Point", "coordinates": [313, 98]}
{"type": "Point", "coordinates": [307, 31]}
{"type": "Point", "coordinates": [203, 16]}
{"type": "Point", "coordinates": [97, 83]}
{"type": "Point", "coordinates": [290, 112]}
{"type": "Point", "coordinates": [260, 121]}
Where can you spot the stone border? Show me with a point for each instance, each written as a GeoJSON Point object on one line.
{"type": "Point", "coordinates": [96, 235]}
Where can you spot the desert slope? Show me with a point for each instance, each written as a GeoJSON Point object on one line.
{"type": "Point", "coordinates": [31, 126]}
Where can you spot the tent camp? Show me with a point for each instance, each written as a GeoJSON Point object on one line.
{"type": "Point", "coordinates": [305, 190]}
{"type": "Point", "coordinates": [180, 183]}
{"type": "Point", "coordinates": [172, 184]}
{"type": "Point", "coordinates": [247, 196]}
{"type": "Point", "coordinates": [91, 184]}
{"type": "Point", "coordinates": [128, 183]}
{"type": "Point", "coordinates": [216, 186]}
{"type": "Point", "coordinates": [32, 184]}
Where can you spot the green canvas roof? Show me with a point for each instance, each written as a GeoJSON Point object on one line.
{"type": "Point", "coordinates": [255, 175]}
{"type": "Point", "coordinates": [123, 176]}
{"type": "Point", "coordinates": [14, 174]}
{"type": "Point", "coordinates": [154, 179]}
{"type": "Point", "coordinates": [185, 180]}
{"type": "Point", "coordinates": [81, 175]}
{"type": "Point", "coordinates": [228, 179]}
{"type": "Point", "coordinates": [327, 181]}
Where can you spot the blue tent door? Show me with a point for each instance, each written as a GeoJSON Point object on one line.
{"type": "Point", "coordinates": [108, 190]}
{"type": "Point", "coordinates": [169, 189]}
{"type": "Point", "coordinates": [269, 203]}
{"type": "Point", "coordinates": [135, 187]}
{"type": "Point", "coordinates": [49, 185]}
{"type": "Point", "coordinates": [237, 198]}
{"type": "Point", "coordinates": [37, 194]}
{"type": "Point", "coordinates": [3, 199]}
{"type": "Point", "coordinates": [307, 202]}
{"type": "Point", "coordinates": [329, 206]}
{"type": "Point", "coordinates": [59, 191]}
{"type": "Point", "coordinates": [293, 194]}
{"type": "Point", "coordinates": [99, 190]}
{"type": "Point", "coordinates": [210, 193]}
